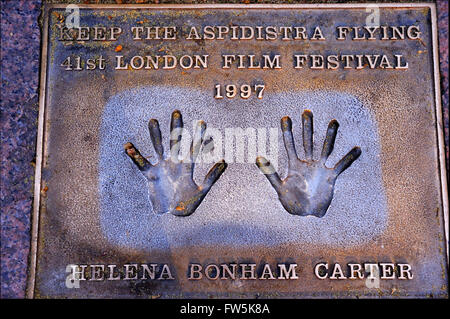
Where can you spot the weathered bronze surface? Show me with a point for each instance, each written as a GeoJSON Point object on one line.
{"type": "Point", "coordinates": [120, 211]}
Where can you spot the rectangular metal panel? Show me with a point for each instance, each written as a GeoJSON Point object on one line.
{"type": "Point", "coordinates": [360, 209]}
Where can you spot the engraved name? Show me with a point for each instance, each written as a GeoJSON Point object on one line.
{"type": "Point", "coordinates": [239, 271]}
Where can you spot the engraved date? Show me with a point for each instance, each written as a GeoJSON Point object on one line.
{"type": "Point", "coordinates": [244, 91]}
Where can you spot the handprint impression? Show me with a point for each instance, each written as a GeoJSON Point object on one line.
{"type": "Point", "coordinates": [309, 186]}
{"type": "Point", "coordinates": [170, 181]}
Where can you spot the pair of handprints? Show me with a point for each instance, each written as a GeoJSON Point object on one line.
{"type": "Point", "coordinates": [307, 189]}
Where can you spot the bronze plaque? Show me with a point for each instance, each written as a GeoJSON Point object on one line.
{"type": "Point", "coordinates": [239, 151]}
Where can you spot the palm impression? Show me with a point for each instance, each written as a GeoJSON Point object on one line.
{"type": "Point", "coordinates": [170, 181]}
{"type": "Point", "coordinates": [309, 185]}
